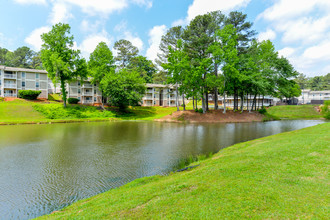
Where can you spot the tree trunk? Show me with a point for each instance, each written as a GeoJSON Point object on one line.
{"type": "Point", "coordinates": [242, 102]}
{"type": "Point", "coordinates": [193, 102]}
{"type": "Point", "coordinates": [224, 102]}
{"type": "Point", "coordinates": [184, 105]}
{"type": "Point", "coordinates": [177, 98]}
{"type": "Point", "coordinates": [250, 106]}
{"type": "Point", "coordinates": [203, 103]}
{"type": "Point", "coordinates": [216, 99]}
{"type": "Point", "coordinates": [207, 100]}
{"type": "Point", "coordinates": [262, 104]}
{"type": "Point", "coordinates": [255, 102]}
{"type": "Point", "coordinates": [63, 92]}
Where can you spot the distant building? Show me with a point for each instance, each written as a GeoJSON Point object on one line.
{"type": "Point", "coordinates": [13, 79]}
{"type": "Point", "coordinates": [313, 97]}
{"type": "Point", "coordinates": [160, 95]}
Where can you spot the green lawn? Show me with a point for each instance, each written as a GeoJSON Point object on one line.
{"type": "Point", "coordinates": [21, 111]}
{"type": "Point", "coordinates": [284, 176]}
{"type": "Point", "coordinates": [294, 112]}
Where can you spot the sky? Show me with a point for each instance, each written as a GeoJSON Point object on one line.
{"type": "Point", "coordinates": [299, 29]}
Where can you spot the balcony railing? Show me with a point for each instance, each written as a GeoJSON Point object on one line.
{"type": "Point", "coordinates": [87, 94]}
{"type": "Point", "coordinates": [10, 94]}
{"type": "Point", "coordinates": [10, 76]}
{"type": "Point", "coordinates": [87, 101]}
{"type": "Point", "coordinates": [87, 86]}
{"type": "Point", "coordinates": [10, 86]}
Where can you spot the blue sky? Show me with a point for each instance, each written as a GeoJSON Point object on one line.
{"type": "Point", "coordinates": [300, 29]}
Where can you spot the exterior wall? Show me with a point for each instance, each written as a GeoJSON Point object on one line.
{"type": "Point", "coordinates": [14, 79]}
{"type": "Point", "coordinates": [160, 95]}
{"type": "Point", "coordinates": [86, 92]}
{"type": "Point", "coordinates": [310, 97]}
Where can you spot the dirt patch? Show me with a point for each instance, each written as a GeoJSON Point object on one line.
{"type": "Point", "coordinates": [213, 116]}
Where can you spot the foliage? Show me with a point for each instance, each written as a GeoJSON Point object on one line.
{"type": "Point", "coordinates": [263, 110]}
{"type": "Point", "coordinates": [61, 61]}
{"type": "Point", "coordinates": [126, 51]}
{"type": "Point", "coordinates": [28, 94]}
{"type": "Point", "coordinates": [73, 101]}
{"type": "Point", "coordinates": [124, 88]}
{"type": "Point", "coordinates": [54, 97]}
{"type": "Point", "coordinates": [145, 67]}
{"type": "Point", "coordinates": [264, 178]}
{"type": "Point", "coordinates": [326, 109]}
{"type": "Point", "coordinates": [313, 83]}
{"type": "Point", "coordinates": [2, 99]}
{"type": "Point", "coordinates": [22, 57]}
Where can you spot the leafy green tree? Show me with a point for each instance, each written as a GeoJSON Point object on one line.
{"type": "Point", "coordinates": [302, 81]}
{"type": "Point", "coordinates": [145, 67]}
{"type": "Point", "coordinates": [23, 57]}
{"type": "Point", "coordinates": [101, 64]}
{"type": "Point", "coordinates": [36, 62]}
{"type": "Point", "coordinates": [3, 58]}
{"type": "Point", "coordinates": [126, 51]}
{"type": "Point", "coordinates": [124, 88]}
{"type": "Point", "coordinates": [61, 61]}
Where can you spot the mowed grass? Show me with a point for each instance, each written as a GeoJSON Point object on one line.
{"type": "Point", "coordinates": [294, 112]}
{"type": "Point", "coordinates": [22, 111]}
{"type": "Point", "coordinates": [284, 176]}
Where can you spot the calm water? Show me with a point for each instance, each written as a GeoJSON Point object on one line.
{"type": "Point", "coordinates": [47, 167]}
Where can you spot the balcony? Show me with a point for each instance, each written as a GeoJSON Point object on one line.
{"type": "Point", "coordinates": [87, 101]}
{"type": "Point", "coordinates": [148, 97]}
{"type": "Point", "coordinates": [10, 94]}
{"type": "Point", "coordinates": [9, 86]}
{"type": "Point", "coordinates": [87, 94]}
{"type": "Point", "coordinates": [9, 76]}
{"type": "Point", "coordinates": [87, 86]}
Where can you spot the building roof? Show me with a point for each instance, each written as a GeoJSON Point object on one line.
{"type": "Point", "coordinates": [17, 69]}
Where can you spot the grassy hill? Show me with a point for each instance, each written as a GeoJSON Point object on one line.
{"type": "Point", "coordinates": [284, 176]}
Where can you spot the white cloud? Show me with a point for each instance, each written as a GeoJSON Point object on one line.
{"type": "Point", "coordinates": [180, 22]}
{"type": "Point", "coordinates": [90, 42]}
{"type": "Point", "coordinates": [147, 3]}
{"type": "Point", "coordinates": [34, 39]}
{"type": "Point", "coordinates": [39, 2]}
{"type": "Point", "coordinates": [99, 7]}
{"type": "Point", "coordinates": [286, 52]}
{"type": "Point", "coordinates": [155, 36]}
{"type": "Point", "coordinates": [267, 35]}
{"type": "Point", "coordinates": [318, 52]}
{"type": "Point", "coordinates": [200, 7]}
{"type": "Point", "coordinates": [60, 13]}
{"type": "Point", "coordinates": [90, 27]}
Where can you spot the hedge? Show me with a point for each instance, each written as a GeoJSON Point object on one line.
{"type": "Point", "coordinates": [73, 101]}
{"type": "Point", "coordinates": [28, 94]}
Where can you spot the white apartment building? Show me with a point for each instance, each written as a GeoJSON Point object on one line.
{"type": "Point", "coordinates": [13, 79]}
{"type": "Point", "coordinates": [86, 92]}
{"type": "Point", "coordinates": [160, 95]}
{"type": "Point", "coordinates": [313, 97]}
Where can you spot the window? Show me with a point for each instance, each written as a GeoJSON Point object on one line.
{"type": "Point", "coordinates": [95, 84]}
{"type": "Point", "coordinates": [23, 84]}
{"type": "Point", "coordinates": [78, 91]}
{"type": "Point", "coordinates": [23, 74]}
{"type": "Point", "coordinates": [94, 91]}
{"type": "Point", "coordinates": [94, 99]}
{"type": "Point", "coordinates": [78, 83]}
{"type": "Point", "coordinates": [79, 98]}
{"type": "Point", "coordinates": [37, 75]}
{"type": "Point", "coordinates": [37, 84]}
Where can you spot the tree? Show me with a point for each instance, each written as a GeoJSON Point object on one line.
{"type": "Point", "coordinates": [126, 51]}
{"type": "Point", "coordinates": [61, 61]}
{"type": "Point", "coordinates": [3, 53]}
{"type": "Point", "coordinates": [145, 67]}
{"type": "Point", "coordinates": [302, 81]}
{"type": "Point", "coordinates": [101, 64]}
{"type": "Point", "coordinates": [124, 88]}
{"type": "Point", "coordinates": [23, 57]}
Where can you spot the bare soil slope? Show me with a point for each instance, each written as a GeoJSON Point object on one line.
{"type": "Point", "coordinates": [213, 116]}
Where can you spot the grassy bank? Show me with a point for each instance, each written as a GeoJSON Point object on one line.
{"type": "Point", "coordinates": [277, 177]}
{"type": "Point", "coordinates": [294, 112]}
{"type": "Point", "coordinates": [21, 111]}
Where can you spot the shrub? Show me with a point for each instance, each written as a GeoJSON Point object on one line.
{"type": "Point", "coordinates": [2, 99]}
{"type": "Point", "coordinates": [28, 94]}
{"type": "Point", "coordinates": [200, 110]}
{"type": "Point", "coordinates": [196, 109]}
{"type": "Point", "coordinates": [263, 110]}
{"type": "Point", "coordinates": [325, 109]}
{"type": "Point", "coordinates": [73, 101]}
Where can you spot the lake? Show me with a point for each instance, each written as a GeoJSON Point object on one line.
{"type": "Point", "coordinates": [47, 167]}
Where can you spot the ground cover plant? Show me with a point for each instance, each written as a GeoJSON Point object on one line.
{"type": "Point", "coordinates": [277, 177]}
{"type": "Point", "coordinates": [325, 108]}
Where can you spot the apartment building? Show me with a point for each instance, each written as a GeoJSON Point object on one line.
{"type": "Point", "coordinates": [13, 79]}
{"type": "Point", "coordinates": [313, 97]}
{"type": "Point", "coordinates": [86, 92]}
{"type": "Point", "coordinates": [160, 95]}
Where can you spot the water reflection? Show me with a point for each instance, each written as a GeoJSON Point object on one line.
{"type": "Point", "coordinates": [46, 167]}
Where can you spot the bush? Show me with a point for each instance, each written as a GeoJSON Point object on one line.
{"type": "Point", "coordinates": [196, 109]}
{"type": "Point", "coordinates": [73, 101]}
{"type": "Point", "coordinates": [28, 94]}
{"type": "Point", "coordinates": [2, 99]}
{"type": "Point", "coordinates": [200, 110]}
{"type": "Point", "coordinates": [325, 109]}
{"type": "Point", "coordinates": [263, 110]}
